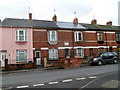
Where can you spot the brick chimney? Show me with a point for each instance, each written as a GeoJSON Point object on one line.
{"type": "Point", "coordinates": [54, 18]}
{"type": "Point", "coordinates": [30, 16]}
{"type": "Point", "coordinates": [75, 20]}
{"type": "Point", "coordinates": [109, 23]}
{"type": "Point", "coordinates": [94, 21]}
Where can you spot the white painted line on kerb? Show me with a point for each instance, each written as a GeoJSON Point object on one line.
{"type": "Point", "coordinates": [38, 85]}
{"type": "Point", "coordinates": [93, 77]}
{"type": "Point", "coordinates": [68, 80]}
{"type": "Point", "coordinates": [22, 86]}
{"type": "Point", "coordinates": [6, 88]}
{"type": "Point", "coordinates": [53, 82]}
{"type": "Point", "coordinates": [80, 78]}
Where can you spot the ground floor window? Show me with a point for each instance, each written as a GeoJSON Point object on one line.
{"type": "Point", "coordinates": [53, 54]}
{"type": "Point", "coordinates": [21, 55]}
{"type": "Point", "coordinates": [79, 52]}
{"type": "Point", "coordinates": [100, 50]}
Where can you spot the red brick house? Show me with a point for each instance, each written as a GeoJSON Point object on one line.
{"type": "Point", "coordinates": [54, 40]}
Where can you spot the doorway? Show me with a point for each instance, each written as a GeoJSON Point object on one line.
{"type": "Point", "coordinates": [2, 58]}
{"type": "Point", "coordinates": [110, 49]}
{"type": "Point", "coordinates": [38, 57]}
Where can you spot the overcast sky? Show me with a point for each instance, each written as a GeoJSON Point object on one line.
{"type": "Point", "coordinates": [86, 10]}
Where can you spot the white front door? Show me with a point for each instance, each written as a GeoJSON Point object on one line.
{"type": "Point", "coordinates": [38, 57]}
{"type": "Point", "coordinates": [2, 58]}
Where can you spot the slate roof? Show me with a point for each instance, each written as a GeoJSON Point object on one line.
{"type": "Point", "coordinates": [101, 27]}
{"type": "Point", "coordinates": [8, 22]}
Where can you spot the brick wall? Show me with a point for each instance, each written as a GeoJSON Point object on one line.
{"type": "Point", "coordinates": [40, 40]}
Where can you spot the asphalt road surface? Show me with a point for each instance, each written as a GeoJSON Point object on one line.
{"type": "Point", "coordinates": [83, 77]}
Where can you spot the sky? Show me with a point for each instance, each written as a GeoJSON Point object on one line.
{"type": "Point", "coordinates": [86, 10]}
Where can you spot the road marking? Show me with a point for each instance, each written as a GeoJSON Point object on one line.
{"type": "Point", "coordinates": [68, 80]}
{"type": "Point", "coordinates": [6, 88]}
{"type": "Point", "coordinates": [80, 78]}
{"type": "Point", "coordinates": [22, 86]}
{"type": "Point", "coordinates": [53, 82]}
{"type": "Point", "coordinates": [93, 77]}
{"type": "Point", "coordinates": [95, 80]}
{"type": "Point", "coordinates": [38, 85]}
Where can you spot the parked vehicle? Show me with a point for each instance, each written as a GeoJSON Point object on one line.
{"type": "Point", "coordinates": [103, 58]}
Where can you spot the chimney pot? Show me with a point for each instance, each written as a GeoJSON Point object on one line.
{"type": "Point", "coordinates": [94, 21]}
{"type": "Point", "coordinates": [75, 20]}
{"type": "Point", "coordinates": [30, 16]}
{"type": "Point", "coordinates": [54, 18]}
{"type": "Point", "coordinates": [109, 23]}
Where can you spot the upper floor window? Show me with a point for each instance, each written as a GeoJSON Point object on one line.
{"type": "Point", "coordinates": [52, 35]}
{"type": "Point", "coordinates": [21, 35]}
{"type": "Point", "coordinates": [21, 55]}
{"type": "Point", "coordinates": [100, 36]}
{"type": "Point", "coordinates": [118, 37]}
{"type": "Point", "coordinates": [78, 36]}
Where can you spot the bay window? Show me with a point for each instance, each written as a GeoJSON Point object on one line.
{"type": "Point", "coordinates": [53, 54]}
{"type": "Point", "coordinates": [79, 52]}
{"type": "Point", "coordinates": [21, 55]}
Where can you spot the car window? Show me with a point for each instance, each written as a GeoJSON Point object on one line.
{"type": "Point", "coordinates": [115, 53]}
{"type": "Point", "coordinates": [105, 54]}
{"type": "Point", "coordinates": [110, 54]}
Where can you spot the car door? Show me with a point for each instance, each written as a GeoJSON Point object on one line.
{"type": "Point", "coordinates": [111, 56]}
{"type": "Point", "coordinates": [105, 57]}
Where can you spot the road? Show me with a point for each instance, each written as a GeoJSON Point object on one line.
{"type": "Point", "coordinates": [60, 78]}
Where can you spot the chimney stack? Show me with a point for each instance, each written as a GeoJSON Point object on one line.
{"type": "Point", "coordinates": [109, 23]}
{"type": "Point", "coordinates": [75, 20]}
{"type": "Point", "coordinates": [30, 16]}
{"type": "Point", "coordinates": [54, 18]}
{"type": "Point", "coordinates": [94, 21]}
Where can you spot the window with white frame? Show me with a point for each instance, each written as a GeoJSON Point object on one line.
{"type": "Point", "coordinates": [21, 55]}
{"type": "Point", "coordinates": [118, 37]}
{"type": "Point", "coordinates": [52, 35]}
{"type": "Point", "coordinates": [21, 35]}
{"type": "Point", "coordinates": [78, 36]}
{"type": "Point", "coordinates": [53, 54]}
{"type": "Point", "coordinates": [100, 36]}
{"type": "Point", "coordinates": [79, 52]}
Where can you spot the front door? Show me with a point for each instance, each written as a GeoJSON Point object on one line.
{"type": "Point", "coordinates": [38, 57]}
{"type": "Point", "coordinates": [110, 49]}
{"type": "Point", "coordinates": [2, 58]}
{"type": "Point", "coordinates": [67, 52]}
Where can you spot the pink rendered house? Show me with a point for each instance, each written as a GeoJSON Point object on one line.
{"type": "Point", "coordinates": [16, 41]}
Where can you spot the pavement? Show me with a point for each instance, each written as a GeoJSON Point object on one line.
{"type": "Point", "coordinates": [35, 69]}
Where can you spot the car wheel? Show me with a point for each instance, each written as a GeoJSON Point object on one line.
{"type": "Point", "coordinates": [99, 63]}
{"type": "Point", "coordinates": [115, 61]}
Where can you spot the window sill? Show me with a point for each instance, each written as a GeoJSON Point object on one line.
{"type": "Point", "coordinates": [78, 57]}
{"type": "Point", "coordinates": [118, 42]}
{"type": "Point", "coordinates": [22, 62]}
{"type": "Point", "coordinates": [100, 42]}
{"type": "Point", "coordinates": [21, 41]}
{"type": "Point", "coordinates": [79, 41]}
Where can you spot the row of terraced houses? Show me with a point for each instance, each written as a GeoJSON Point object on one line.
{"type": "Point", "coordinates": [23, 39]}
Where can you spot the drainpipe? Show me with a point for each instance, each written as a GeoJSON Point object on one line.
{"type": "Point", "coordinates": [73, 42]}
{"type": "Point", "coordinates": [106, 41]}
